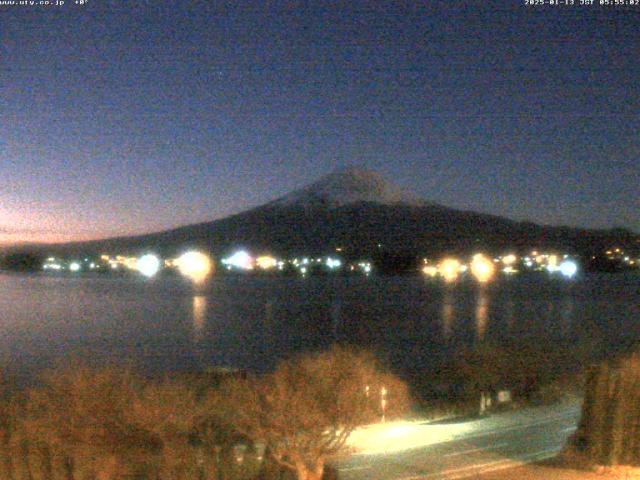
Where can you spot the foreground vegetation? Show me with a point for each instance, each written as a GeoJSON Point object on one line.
{"type": "Point", "coordinates": [105, 424]}
{"type": "Point", "coordinates": [109, 423]}
{"type": "Point", "coordinates": [533, 373]}
{"type": "Point", "coordinates": [609, 430]}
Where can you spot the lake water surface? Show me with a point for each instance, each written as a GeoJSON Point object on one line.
{"type": "Point", "coordinates": [246, 322]}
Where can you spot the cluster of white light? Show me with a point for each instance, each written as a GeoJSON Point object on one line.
{"type": "Point", "coordinates": [333, 263]}
{"type": "Point", "coordinates": [148, 265]}
{"type": "Point", "coordinates": [198, 266]}
{"type": "Point", "coordinates": [240, 260]}
{"type": "Point", "coordinates": [365, 267]}
{"type": "Point", "coordinates": [568, 268]}
{"type": "Point", "coordinates": [52, 266]}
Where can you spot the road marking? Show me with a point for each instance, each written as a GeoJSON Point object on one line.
{"type": "Point", "coordinates": [479, 449]}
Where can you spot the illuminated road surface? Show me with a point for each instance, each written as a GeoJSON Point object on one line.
{"type": "Point", "coordinates": [451, 450]}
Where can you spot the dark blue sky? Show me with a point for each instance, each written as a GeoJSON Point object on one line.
{"type": "Point", "coordinates": [131, 116]}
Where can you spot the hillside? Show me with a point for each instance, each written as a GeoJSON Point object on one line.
{"type": "Point", "coordinates": [360, 212]}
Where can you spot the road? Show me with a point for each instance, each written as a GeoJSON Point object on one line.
{"type": "Point", "coordinates": [456, 449]}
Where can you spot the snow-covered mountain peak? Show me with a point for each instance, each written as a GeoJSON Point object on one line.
{"type": "Point", "coordinates": [348, 186]}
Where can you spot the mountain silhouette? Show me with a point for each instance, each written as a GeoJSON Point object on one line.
{"type": "Point", "coordinates": [359, 212]}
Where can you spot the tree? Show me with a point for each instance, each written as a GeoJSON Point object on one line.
{"type": "Point", "coordinates": [609, 430]}
{"type": "Point", "coordinates": [170, 412]}
{"type": "Point", "coordinates": [21, 261]}
{"type": "Point", "coordinates": [80, 422]}
{"type": "Point", "coordinates": [305, 411]}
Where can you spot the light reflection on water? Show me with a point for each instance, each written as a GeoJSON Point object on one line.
{"type": "Point", "coordinates": [568, 308]}
{"type": "Point", "coordinates": [336, 306]}
{"type": "Point", "coordinates": [447, 314]}
{"type": "Point", "coordinates": [199, 316]}
{"type": "Point", "coordinates": [481, 313]}
{"type": "Point", "coordinates": [509, 307]}
{"type": "Point", "coordinates": [164, 324]}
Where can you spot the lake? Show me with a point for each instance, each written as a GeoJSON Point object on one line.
{"type": "Point", "coordinates": [165, 324]}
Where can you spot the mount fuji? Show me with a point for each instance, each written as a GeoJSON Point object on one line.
{"type": "Point", "coordinates": [346, 187]}
{"type": "Point", "coordinates": [362, 214]}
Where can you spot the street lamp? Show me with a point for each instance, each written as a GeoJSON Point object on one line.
{"type": "Point", "coordinates": [383, 401]}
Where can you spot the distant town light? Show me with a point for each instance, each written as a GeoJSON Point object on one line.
{"type": "Point", "coordinates": [148, 265]}
{"type": "Point", "coordinates": [449, 268]}
{"type": "Point", "coordinates": [266, 262]}
{"type": "Point", "coordinates": [430, 270]}
{"type": "Point", "coordinates": [482, 268]}
{"type": "Point", "coordinates": [240, 259]}
{"type": "Point", "coordinates": [509, 259]}
{"type": "Point", "coordinates": [195, 265]}
{"type": "Point", "coordinates": [568, 268]}
{"type": "Point", "coordinates": [74, 266]}
{"type": "Point", "coordinates": [333, 263]}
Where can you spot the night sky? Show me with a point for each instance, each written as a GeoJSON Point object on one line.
{"type": "Point", "coordinates": [122, 117]}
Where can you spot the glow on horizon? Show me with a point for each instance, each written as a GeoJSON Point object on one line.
{"type": "Point", "coordinates": [8, 237]}
{"type": "Point", "coordinates": [37, 225]}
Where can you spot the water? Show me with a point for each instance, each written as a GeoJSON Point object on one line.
{"type": "Point", "coordinates": [245, 322]}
